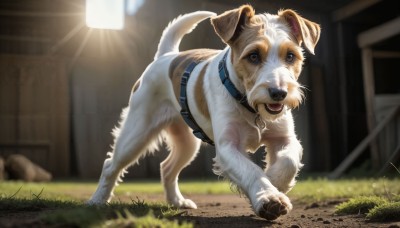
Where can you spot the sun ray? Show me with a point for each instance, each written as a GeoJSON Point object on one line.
{"type": "Point", "coordinates": [80, 48]}
{"type": "Point", "coordinates": [121, 44]}
{"type": "Point", "coordinates": [66, 38]}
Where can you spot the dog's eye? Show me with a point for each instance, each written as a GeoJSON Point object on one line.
{"type": "Point", "coordinates": [290, 57]}
{"type": "Point", "coordinates": [254, 58]}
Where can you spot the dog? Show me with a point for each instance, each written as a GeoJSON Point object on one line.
{"type": "Point", "coordinates": [238, 99]}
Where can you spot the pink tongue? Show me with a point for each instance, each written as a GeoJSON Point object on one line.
{"type": "Point", "coordinates": [275, 107]}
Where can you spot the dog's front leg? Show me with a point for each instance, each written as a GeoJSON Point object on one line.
{"type": "Point", "coordinates": [283, 161]}
{"type": "Point", "coordinates": [232, 162]}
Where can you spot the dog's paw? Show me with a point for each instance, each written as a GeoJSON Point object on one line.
{"type": "Point", "coordinates": [271, 206]}
{"type": "Point", "coordinates": [97, 201]}
{"type": "Point", "coordinates": [185, 204]}
{"type": "Point", "coordinates": [92, 202]}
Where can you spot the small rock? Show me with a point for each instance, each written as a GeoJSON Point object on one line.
{"type": "Point", "coordinates": [302, 216]}
{"type": "Point", "coordinates": [295, 226]}
{"type": "Point", "coordinates": [313, 205]}
{"type": "Point", "coordinates": [218, 204]}
{"type": "Point", "coordinates": [394, 226]}
{"type": "Point", "coordinates": [320, 219]}
{"type": "Point", "coordinates": [326, 222]}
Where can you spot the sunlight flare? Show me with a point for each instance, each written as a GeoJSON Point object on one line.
{"type": "Point", "coordinates": [105, 14]}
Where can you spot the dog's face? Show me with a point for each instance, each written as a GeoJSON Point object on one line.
{"type": "Point", "coordinates": [267, 55]}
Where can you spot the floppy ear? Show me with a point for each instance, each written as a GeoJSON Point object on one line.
{"type": "Point", "coordinates": [303, 30]}
{"type": "Point", "coordinates": [228, 25]}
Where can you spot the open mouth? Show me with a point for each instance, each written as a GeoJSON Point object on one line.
{"type": "Point", "coordinates": [274, 109]}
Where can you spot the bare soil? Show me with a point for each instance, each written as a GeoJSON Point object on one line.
{"type": "Point", "coordinates": [231, 211]}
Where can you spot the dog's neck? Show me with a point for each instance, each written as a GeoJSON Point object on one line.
{"type": "Point", "coordinates": [225, 77]}
{"type": "Point", "coordinates": [232, 73]}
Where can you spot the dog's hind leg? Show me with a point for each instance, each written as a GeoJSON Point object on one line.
{"type": "Point", "coordinates": [137, 134]}
{"type": "Point", "coordinates": [183, 146]}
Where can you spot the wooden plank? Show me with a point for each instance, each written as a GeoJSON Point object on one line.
{"type": "Point", "coordinates": [369, 94]}
{"type": "Point", "coordinates": [363, 145]}
{"type": "Point", "coordinates": [385, 54]}
{"type": "Point", "coordinates": [343, 75]}
{"type": "Point", "coordinates": [25, 144]}
{"type": "Point", "coordinates": [321, 126]}
{"type": "Point", "coordinates": [10, 13]}
{"type": "Point", "coordinates": [379, 33]}
{"type": "Point", "coordinates": [25, 39]}
{"type": "Point", "coordinates": [352, 8]}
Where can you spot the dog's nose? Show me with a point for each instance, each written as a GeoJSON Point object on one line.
{"type": "Point", "coordinates": [277, 94]}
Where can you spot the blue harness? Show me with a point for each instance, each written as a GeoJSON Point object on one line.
{"type": "Point", "coordinates": [185, 111]}
{"type": "Point", "coordinates": [226, 81]}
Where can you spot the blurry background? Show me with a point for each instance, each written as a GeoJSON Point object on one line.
{"type": "Point", "coordinates": [63, 84]}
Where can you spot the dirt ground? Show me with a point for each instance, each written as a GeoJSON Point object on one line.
{"type": "Point", "coordinates": [233, 211]}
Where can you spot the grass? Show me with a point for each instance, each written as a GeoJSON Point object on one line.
{"type": "Point", "coordinates": [360, 205]}
{"type": "Point", "coordinates": [322, 189]}
{"type": "Point", "coordinates": [375, 208]}
{"type": "Point", "coordinates": [385, 212]}
{"type": "Point", "coordinates": [67, 190]}
{"type": "Point", "coordinates": [76, 214]}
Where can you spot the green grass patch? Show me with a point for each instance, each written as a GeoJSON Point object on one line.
{"type": "Point", "coordinates": [305, 190]}
{"type": "Point", "coordinates": [311, 190]}
{"type": "Point", "coordinates": [69, 190]}
{"type": "Point", "coordinates": [57, 212]}
{"type": "Point", "coordinates": [360, 205]}
{"type": "Point", "coordinates": [385, 212]}
{"type": "Point", "coordinates": [137, 214]}
{"type": "Point", "coordinates": [129, 220]}
{"type": "Point", "coordinates": [76, 214]}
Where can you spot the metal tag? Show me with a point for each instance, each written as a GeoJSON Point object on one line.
{"type": "Point", "coordinates": [259, 122]}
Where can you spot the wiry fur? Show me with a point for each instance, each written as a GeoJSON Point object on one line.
{"type": "Point", "coordinates": [153, 114]}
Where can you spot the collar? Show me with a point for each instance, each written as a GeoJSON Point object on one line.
{"type": "Point", "coordinates": [235, 93]}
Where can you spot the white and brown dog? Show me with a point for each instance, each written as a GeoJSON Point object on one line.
{"type": "Point", "coordinates": [239, 99]}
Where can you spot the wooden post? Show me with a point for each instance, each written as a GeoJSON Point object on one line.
{"type": "Point", "coordinates": [369, 93]}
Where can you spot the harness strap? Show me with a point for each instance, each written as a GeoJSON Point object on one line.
{"type": "Point", "coordinates": [185, 111]}
{"type": "Point", "coordinates": [235, 93]}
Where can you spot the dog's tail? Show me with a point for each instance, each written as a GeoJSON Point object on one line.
{"type": "Point", "coordinates": [172, 35]}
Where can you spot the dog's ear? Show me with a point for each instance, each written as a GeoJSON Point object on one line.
{"type": "Point", "coordinates": [303, 30]}
{"type": "Point", "coordinates": [229, 25]}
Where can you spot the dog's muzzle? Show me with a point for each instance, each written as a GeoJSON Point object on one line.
{"type": "Point", "coordinates": [277, 95]}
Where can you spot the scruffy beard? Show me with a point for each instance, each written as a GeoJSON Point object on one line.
{"type": "Point", "coordinates": [271, 111]}
{"type": "Point", "coordinates": [267, 114]}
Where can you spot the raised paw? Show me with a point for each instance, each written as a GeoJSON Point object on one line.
{"type": "Point", "coordinates": [271, 206]}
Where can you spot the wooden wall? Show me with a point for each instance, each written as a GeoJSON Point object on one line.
{"type": "Point", "coordinates": [34, 111]}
